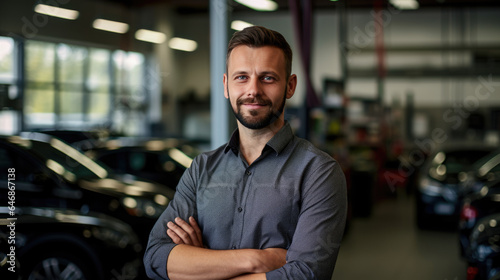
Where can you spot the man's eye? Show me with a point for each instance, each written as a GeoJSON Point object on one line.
{"type": "Point", "coordinates": [268, 78]}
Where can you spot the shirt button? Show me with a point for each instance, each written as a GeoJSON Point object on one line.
{"type": "Point", "coordinates": [249, 173]}
{"type": "Point", "coordinates": [240, 209]}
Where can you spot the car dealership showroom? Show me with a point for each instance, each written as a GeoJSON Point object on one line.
{"type": "Point", "coordinates": [116, 117]}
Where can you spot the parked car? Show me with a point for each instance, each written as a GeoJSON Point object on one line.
{"type": "Point", "coordinates": [439, 192]}
{"type": "Point", "coordinates": [160, 160]}
{"type": "Point", "coordinates": [483, 258]}
{"type": "Point", "coordinates": [475, 206]}
{"type": "Point", "coordinates": [52, 243]}
{"type": "Point", "coordinates": [75, 212]}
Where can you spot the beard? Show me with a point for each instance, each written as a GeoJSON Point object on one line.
{"type": "Point", "coordinates": [254, 121]}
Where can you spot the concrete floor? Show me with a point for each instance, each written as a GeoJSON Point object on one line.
{"type": "Point", "coordinates": [388, 245]}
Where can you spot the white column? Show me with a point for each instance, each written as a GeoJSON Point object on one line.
{"type": "Point", "coordinates": [218, 46]}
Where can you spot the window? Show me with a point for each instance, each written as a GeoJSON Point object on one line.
{"type": "Point", "coordinates": [130, 94]}
{"type": "Point", "coordinates": [99, 84]}
{"type": "Point", "coordinates": [6, 60]}
{"type": "Point", "coordinates": [39, 103]}
{"type": "Point", "coordinates": [9, 118]}
{"type": "Point", "coordinates": [70, 87]}
{"type": "Point", "coordinates": [71, 62]}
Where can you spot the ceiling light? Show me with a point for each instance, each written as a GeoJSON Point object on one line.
{"type": "Point", "coordinates": [240, 25]}
{"type": "Point", "coordinates": [259, 5]}
{"type": "Point", "coordinates": [405, 4]}
{"type": "Point", "coordinates": [182, 44]}
{"type": "Point", "coordinates": [56, 12]}
{"type": "Point", "coordinates": [150, 36]}
{"type": "Point", "coordinates": [109, 25]}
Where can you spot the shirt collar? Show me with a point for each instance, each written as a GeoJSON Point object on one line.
{"type": "Point", "coordinates": [277, 143]}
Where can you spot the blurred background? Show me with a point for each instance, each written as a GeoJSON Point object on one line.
{"type": "Point", "coordinates": [104, 103]}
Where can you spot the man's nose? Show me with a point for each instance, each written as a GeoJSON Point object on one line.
{"type": "Point", "coordinates": [254, 87]}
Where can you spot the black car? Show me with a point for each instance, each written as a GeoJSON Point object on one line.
{"type": "Point", "coordinates": [483, 259]}
{"type": "Point", "coordinates": [475, 206]}
{"type": "Point", "coordinates": [93, 221]}
{"type": "Point", "coordinates": [52, 243]}
{"type": "Point", "coordinates": [159, 160]}
{"type": "Point", "coordinates": [439, 191]}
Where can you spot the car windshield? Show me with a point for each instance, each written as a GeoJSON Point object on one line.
{"type": "Point", "coordinates": [67, 161]}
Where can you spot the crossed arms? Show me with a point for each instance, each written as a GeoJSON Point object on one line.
{"type": "Point", "coordinates": [190, 260]}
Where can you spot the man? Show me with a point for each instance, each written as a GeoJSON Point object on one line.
{"type": "Point", "coordinates": [268, 205]}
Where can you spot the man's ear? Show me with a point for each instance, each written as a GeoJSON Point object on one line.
{"type": "Point", "coordinates": [291, 85]}
{"type": "Point", "coordinates": [224, 80]}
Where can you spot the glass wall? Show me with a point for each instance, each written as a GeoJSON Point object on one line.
{"type": "Point", "coordinates": [130, 99]}
{"type": "Point", "coordinates": [76, 87]}
{"type": "Point", "coordinates": [99, 86]}
{"type": "Point", "coordinates": [6, 59]}
{"type": "Point", "coordinates": [9, 117]}
{"type": "Point", "coordinates": [40, 91]}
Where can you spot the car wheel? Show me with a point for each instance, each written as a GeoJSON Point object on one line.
{"type": "Point", "coordinates": [58, 265]}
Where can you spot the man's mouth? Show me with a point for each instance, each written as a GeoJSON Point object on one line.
{"type": "Point", "coordinates": [254, 102]}
{"type": "Point", "coordinates": [254, 105]}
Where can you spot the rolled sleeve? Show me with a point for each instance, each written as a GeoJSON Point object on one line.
{"type": "Point", "coordinates": [316, 242]}
{"type": "Point", "coordinates": [156, 261]}
{"type": "Point", "coordinates": [160, 244]}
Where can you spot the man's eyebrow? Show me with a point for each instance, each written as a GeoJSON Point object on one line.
{"type": "Point", "coordinates": [240, 72]}
{"type": "Point", "coordinates": [268, 73]}
{"type": "Point", "coordinates": [263, 73]}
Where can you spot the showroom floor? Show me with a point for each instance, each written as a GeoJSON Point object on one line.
{"type": "Point", "coordinates": [387, 245]}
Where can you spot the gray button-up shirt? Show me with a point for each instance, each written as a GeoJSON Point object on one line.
{"type": "Point", "coordinates": [293, 197]}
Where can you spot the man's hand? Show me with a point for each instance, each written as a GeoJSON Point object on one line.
{"type": "Point", "coordinates": [182, 232]}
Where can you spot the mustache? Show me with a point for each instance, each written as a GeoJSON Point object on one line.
{"type": "Point", "coordinates": [253, 100]}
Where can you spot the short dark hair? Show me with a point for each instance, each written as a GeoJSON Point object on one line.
{"type": "Point", "coordinates": [259, 36]}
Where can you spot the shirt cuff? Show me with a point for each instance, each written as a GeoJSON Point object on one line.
{"type": "Point", "coordinates": [159, 262]}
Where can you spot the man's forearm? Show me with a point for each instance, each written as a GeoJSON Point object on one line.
{"type": "Point", "coordinates": [189, 262]}
{"type": "Point", "coordinates": [254, 276]}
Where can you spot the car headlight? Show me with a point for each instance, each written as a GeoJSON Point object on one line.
{"type": "Point", "coordinates": [430, 187]}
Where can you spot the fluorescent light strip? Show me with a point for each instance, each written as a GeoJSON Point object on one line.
{"type": "Point", "coordinates": [182, 44]}
{"type": "Point", "coordinates": [240, 25]}
{"type": "Point", "coordinates": [56, 12]}
{"type": "Point", "coordinates": [150, 36]}
{"type": "Point", "coordinates": [111, 26]}
{"type": "Point", "coordinates": [259, 5]}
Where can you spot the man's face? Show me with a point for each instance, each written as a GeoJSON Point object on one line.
{"type": "Point", "coordinates": [256, 85]}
